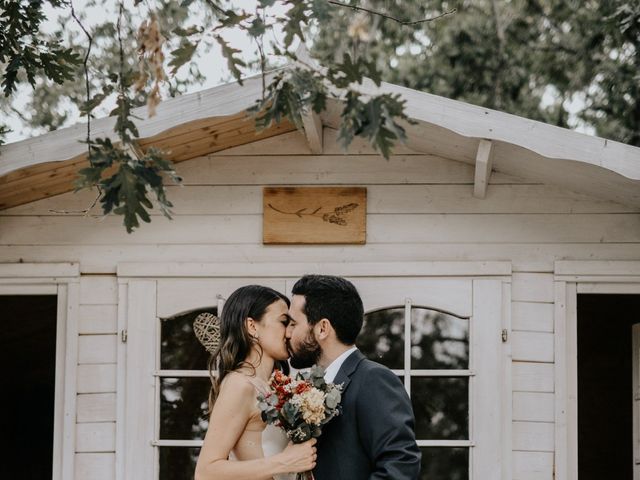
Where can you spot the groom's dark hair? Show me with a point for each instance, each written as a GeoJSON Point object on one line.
{"type": "Point", "coordinates": [335, 299]}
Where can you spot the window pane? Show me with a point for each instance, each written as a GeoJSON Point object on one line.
{"type": "Point", "coordinates": [183, 405]}
{"type": "Point", "coordinates": [439, 463]}
{"type": "Point", "coordinates": [438, 340]}
{"type": "Point", "coordinates": [382, 337]}
{"type": "Point", "coordinates": [180, 348]}
{"type": "Point", "coordinates": [441, 407]}
{"type": "Point", "coordinates": [178, 463]}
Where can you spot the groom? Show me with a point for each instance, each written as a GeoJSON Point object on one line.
{"type": "Point", "coordinates": [374, 437]}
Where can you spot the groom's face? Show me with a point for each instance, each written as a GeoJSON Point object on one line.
{"type": "Point", "coordinates": [301, 341]}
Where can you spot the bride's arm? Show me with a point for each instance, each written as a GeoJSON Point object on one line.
{"type": "Point", "coordinates": [229, 417]}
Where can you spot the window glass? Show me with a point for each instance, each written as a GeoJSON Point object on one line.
{"type": "Point", "coordinates": [179, 346]}
{"type": "Point", "coordinates": [382, 337]}
{"type": "Point", "coordinates": [442, 463]}
{"type": "Point", "coordinates": [441, 407]}
{"type": "Point", "coordinates": [178, 463]}
{"type": "Point", "coordinates": [183, 407]}
{"type": "Point", "coordinates": [438, 340]}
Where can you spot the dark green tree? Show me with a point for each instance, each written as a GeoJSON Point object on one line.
{"type": "Point", "coordinates": [534, 58]}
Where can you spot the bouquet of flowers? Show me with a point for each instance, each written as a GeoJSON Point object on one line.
{"type": "Point", "coordinates": [300, 406]}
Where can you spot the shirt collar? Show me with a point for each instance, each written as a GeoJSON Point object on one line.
{"type": "Point", "coordinates": [334, 367]}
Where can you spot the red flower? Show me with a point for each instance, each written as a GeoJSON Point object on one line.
{"type": "Point", "coordinates": [302, 387]}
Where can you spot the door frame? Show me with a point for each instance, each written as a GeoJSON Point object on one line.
{"type": "Point", "coordinates": [140, 277]}
{"type": "Point", "coordinates": [570, 279]}
{"type": "Point", "coordinates": [62, 280]}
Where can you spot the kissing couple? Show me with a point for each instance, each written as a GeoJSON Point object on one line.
{"type": "Point", "coordinates": [260, 329]}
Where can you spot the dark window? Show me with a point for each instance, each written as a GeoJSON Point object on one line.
{"type": "Point", "coordinates": [28, 357]}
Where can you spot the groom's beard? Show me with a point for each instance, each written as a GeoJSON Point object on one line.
{"type": "Point", "coordinates": [307, 353]}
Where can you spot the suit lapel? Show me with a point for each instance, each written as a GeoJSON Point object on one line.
{"type": "Point", "coordinates": [347, 369]}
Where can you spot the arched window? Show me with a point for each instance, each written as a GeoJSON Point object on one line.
{"type": "Point", "coordinates": [429, 350]}
{"type": "Point", "coordinates": [182, 386]}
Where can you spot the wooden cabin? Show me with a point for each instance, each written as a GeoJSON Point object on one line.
{"type": "Point", "coordinates": [500, 273]}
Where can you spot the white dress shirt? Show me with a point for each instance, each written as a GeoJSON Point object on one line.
{"type": "Point", "coordinates": [333, 368]}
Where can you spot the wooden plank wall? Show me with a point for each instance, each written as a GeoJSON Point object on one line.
{"type": "Point", "coordinates": [420, 208]}
{"type": "Point", "coordinates": [96, 406]}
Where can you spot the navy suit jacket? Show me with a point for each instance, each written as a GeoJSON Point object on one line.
{"type": "Point", "coordinates": [373, 438]}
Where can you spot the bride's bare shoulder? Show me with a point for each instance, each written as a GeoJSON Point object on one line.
{"type": "Point", "coordinates": [236, 383]}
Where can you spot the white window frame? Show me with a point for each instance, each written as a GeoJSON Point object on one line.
{"type": "Point", "coordinates": [63, 281]}
{"type": "Point", "coordinates": [572, 278]}
{"type": "Point", "coordinates": [137, 299]}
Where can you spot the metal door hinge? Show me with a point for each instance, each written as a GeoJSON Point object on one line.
{"type": "Point", "coordinates": [123, 336]}
{"type": "Point", "coordinates": [505, 335]}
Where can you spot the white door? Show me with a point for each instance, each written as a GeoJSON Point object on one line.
{"type": "Point", "coordinates": [441, 335]}
{"type": "Point", "coordinates": [167, 377]}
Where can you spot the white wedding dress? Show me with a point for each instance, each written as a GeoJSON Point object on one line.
{"type": "Point", "coordinates": [274, 441]}
{"type": "Point", "coordinates": [260, 440]}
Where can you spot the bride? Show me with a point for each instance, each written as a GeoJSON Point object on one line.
{"type": "Point", "coordinates": [238, 444]}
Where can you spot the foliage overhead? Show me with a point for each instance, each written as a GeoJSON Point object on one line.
{"type": "Point", "coordinates": [566, 62]}
{"type": "Point", "coordinates": [124, 179]}
{"type": "Point", "coordinates": [22, 48]}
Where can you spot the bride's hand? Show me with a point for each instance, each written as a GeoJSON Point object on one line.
{"type": "Point", "coordinates": [298, 458]}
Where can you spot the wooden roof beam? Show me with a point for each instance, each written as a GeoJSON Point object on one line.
{"type": "Point", "coordinates": [483, 168]}
{"type": "Point", "coordinates": [313, 131]}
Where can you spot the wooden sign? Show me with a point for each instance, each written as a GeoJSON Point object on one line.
{"type": "Point", "coordinates": [314, 215]}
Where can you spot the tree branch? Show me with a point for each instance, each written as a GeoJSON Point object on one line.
{"type": "Point", "coordinates": [86, 75]}
{"type": "Point", "coordinates": [389, 17]}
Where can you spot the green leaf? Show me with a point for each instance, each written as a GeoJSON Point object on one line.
{"type": "Point", "coordinates": [4, 129]}
{"type": "Point", "coordinates": [257, 27]}
{"type": "Point", "coordinates": [375, 120]}
{"type": "Point", "coordinates": [296, 18]}
{"type": "Point", "coordinates": [97, 99]}
{"type": "Point", "coordinates": [187, 32]}
{"type": "Point", "coordinates": [183, 54]}
{"type": "Point", "coordinates": [233, 63]}
{"type": "Point", "coordinates": [126, 191]}
{"type": "Point", "coordinates": [232, 19]}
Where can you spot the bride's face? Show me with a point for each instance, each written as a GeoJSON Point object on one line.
{"type": "Point", "coordinates": [272, 330]}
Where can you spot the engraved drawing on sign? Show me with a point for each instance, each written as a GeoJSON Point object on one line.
{"type": "Point", "coordinates": [336, 216]}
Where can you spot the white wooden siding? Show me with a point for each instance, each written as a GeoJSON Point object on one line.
{"type": "Point", "coordinates": [381, 199]}
{"type": "Point", "coordinates": [96, 387]}
{"type": "Point", "coordinates": [532, 465]}
{"type": "Point", "coordinates": [533, 375]}
{"type": "Point", "coordinates": [96, 407]}
{"type": "Point", "coordinates": [95, 466]}
{"type": "Point", "coordinates": [532, 317]}
{"type": "Point", "coordinates": [104, 258]}
{"type": "Point", "coordinates": [97, 319]}
{"type": "Point", "coordinates": [100, 378]}
{"type": "Point", "coordinates": [420, 208]}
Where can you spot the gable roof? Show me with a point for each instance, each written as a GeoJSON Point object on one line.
{"type": "Point", "coordinates": [215, 119]}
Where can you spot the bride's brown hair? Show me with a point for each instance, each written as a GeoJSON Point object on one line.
{"type": "Point", "coordinates": [235, 340]}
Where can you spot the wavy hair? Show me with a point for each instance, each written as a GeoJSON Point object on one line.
{"type": "Point", "coordinates": [235, 340]}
